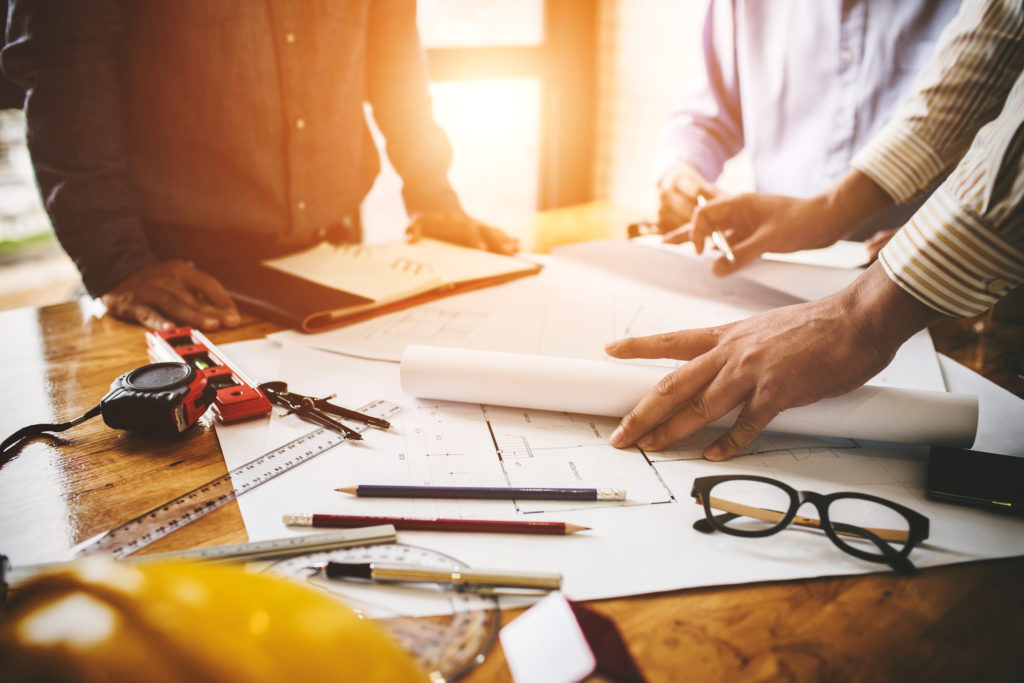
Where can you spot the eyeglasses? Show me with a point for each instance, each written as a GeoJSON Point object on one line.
{"type": "Point", "coordinates": [769, 506]}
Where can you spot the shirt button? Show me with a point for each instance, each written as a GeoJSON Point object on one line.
{"type": "Point", "coordinates": [321, 233]}
{"type": "Point", "coordinates": [289, 37]}
{"type": "Point", "coordinates": [300, 205]}
{"type": "Point", "coordinates": [841, 120]}
{"type": "Point", "coordinates": [300, 124]}
{"type": "Point", "coordinates": [998, 286]}
{"type": "Point", "coordinates": [846, 56]}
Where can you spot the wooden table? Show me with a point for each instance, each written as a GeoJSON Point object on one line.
{"type": "Point", "coordinates": [960, 622]}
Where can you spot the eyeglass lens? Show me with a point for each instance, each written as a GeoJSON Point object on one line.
{"type": "Point", "coordinates": [745, 506]}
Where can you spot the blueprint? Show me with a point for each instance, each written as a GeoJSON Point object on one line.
{"type": "Point", "coordinates": [643, 544]}
{"type": "Point", "coordinates": [583, 298]}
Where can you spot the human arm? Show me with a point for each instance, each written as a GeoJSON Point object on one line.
{"type": "Point", "coordinates": [705, 128]}
{"type": "Point", "coordinates": [962, 251]}
{"type": "Point", "coordinates": [961, 89]}
{"type": "Point", "coordinates": [754, 223]}
{"type": "Point", "coordinates": [959, 254]}
{"type": "Point", "coordinates": [65, 56]}
{"type": "Point", "coordinates": [773, 361]}
{"type": "Point", "coordinates": [417, 147]}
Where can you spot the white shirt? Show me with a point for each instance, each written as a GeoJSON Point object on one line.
{"type": "Point", "coordinates": [802, 84]}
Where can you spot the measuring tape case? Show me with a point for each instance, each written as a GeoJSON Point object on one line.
{"type": "Point", "coordinates": [162, 399]}
{"type": "Point", "coordinates": [237, 396]}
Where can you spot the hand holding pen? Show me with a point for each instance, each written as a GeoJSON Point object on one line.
{"type": "Point", "coordinates": [689, 232]}
{"type": "Point", "coordinates": [756, 223]}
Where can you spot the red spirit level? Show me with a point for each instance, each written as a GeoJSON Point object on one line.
{"type": "Point", "coordinates": [238, 397]}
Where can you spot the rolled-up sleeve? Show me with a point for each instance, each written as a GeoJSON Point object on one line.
{"type": "Point", "coordinates": [964, 249]}
{"type": "Point", "coordinates": [964, 86]}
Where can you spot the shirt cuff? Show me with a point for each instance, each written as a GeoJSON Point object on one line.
{"type": "Point", "coordinates": [900, 162]}
{"type": "Point", "coordinates": [950, 260]}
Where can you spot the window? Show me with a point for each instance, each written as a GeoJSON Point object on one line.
{"type": "Point", "coordinates": [512, 83]}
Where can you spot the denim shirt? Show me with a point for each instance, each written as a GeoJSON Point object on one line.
{"type": "Point", "coordinates": [235, 117]}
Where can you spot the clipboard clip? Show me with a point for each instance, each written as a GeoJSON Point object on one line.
{"type": "Point", "coordinates": [318, 410]}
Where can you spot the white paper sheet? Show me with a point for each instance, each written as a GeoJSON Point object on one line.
{"type": "Point", "coordinates": [806, 275]}
{"type": "Point", "coordinates": [613, 389]}
{"type": "Point", "coordinates": [1001, 415]}
{"type": "Point", "coordinates": [582, 300]}
{"type": "Point", "coordinates": [645, 544]}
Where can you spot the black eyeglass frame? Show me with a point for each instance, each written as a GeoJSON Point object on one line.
{"type": "Point", "coordinates": [918, 524]}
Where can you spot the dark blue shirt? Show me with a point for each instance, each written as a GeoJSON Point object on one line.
{"type": "Point", "coordinates": [150, 121]}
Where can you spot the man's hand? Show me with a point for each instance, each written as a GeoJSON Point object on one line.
{"type": "Point", "coordinates": [677, 195]}
{"type": "Point", "coordinates": [755, 223]}
{"type": "Point", "coordinates": [780, 359]}
{"type": "Point", "coordinates": [458, 228]}
{"type": "Point", "coordinates": [171, 293]}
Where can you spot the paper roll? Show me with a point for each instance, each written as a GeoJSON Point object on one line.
{"type": "Point", "coordinates": [613, 389]}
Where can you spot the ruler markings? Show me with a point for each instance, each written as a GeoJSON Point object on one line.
{"type": "Point", "coordinates": [163, 519]}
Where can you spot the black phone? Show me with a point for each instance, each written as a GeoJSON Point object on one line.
{"type": "Point", "coordinates": [988, 480]}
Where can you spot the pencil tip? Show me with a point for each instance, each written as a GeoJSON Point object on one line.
{"type": "Point", "coordinates": [347, 489]}
{"type": "Point", "coordinates": [573, 528]}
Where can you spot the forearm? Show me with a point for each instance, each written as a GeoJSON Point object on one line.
{"type": "Point", "coordinates": [856, 198]}
{"type": "Point", "coordinates": [883, 313]}
{"type": "Point", "coordinates": [397, 89]}
{"type": "Point", "coordinates": [963, 86]}
{"type": "Point", "coordinates": [64, 56]}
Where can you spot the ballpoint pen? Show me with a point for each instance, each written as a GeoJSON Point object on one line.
{"type": "Point", "coordinates": [718, 237]}
{"type": "Point", "coordinates": [452, 576]}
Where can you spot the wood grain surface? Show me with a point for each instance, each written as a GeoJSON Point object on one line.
{"type": "Point", "coordinates": [955, 623]}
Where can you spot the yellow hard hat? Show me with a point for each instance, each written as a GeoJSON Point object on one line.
{"type": "Point", "coordinates": [103, 620]}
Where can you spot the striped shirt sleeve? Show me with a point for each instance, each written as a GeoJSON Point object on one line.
{"type": "Point", "coordinates": [964, 249]}
{"type": "Point", "coordinates": [975, 63]}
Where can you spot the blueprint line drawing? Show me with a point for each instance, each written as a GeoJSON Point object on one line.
{"type": "Point", "coordinates": [455, 444]}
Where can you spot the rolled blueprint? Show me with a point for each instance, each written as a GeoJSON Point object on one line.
{"type": "Point", "coordinates": [612, 389]}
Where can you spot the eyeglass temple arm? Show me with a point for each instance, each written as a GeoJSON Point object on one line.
{"type": "Point", "coordinates": [767, 515]}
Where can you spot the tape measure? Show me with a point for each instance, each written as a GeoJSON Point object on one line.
{"type": "Point", "coordinates": [235, 396]}
{"type": "Point", "coordinates": [188, 507]}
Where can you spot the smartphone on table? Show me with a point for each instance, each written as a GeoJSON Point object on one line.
{"type": "Point", "coordinates": [988, 480]}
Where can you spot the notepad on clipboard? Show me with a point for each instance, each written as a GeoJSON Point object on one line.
{"type": "Point", "coordinates": [329, 285]}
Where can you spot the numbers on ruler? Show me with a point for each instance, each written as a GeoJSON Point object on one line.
{"type": "Point", "coordinates": [190, 506]}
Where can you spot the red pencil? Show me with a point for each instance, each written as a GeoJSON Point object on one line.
{"type": "Point", "coordinates": [439, 524]}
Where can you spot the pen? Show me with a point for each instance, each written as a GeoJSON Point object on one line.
{"type": "Point", "coordinates": [399, 573]}
{"type": "Point", "coordinates": [718, 237]}
{"type": "Point", "coordinates": [486, 492]}
{"type": "Point", "coordinates": [438, 524]}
